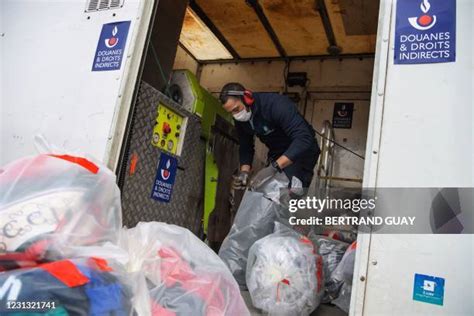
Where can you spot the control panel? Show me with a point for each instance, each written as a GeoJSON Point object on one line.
{"type": "Point", "coordinates": [169, 130]}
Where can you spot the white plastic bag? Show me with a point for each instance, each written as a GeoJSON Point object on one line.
{"type": "Point", "coordinates": [185, 276]}
{"type": "Point", "coordinates": [49, 202]}
{"type": "Point", "coordinates": [284, 273]}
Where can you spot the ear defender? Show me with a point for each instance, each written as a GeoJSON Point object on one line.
{"type": "Point", "coordinates": [248, 97]}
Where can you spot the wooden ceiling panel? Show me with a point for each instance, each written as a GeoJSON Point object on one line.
{"type": "Point", "coordinates": [360, 16]}
{"type": "Point", "coordinates": [239, 24]}
{"type": "Point", "coordinates": [361, 12]}
{"type": "Point", "coordinates": [297, 25]}
{"type": "Point", "coordinates": [199, 40]}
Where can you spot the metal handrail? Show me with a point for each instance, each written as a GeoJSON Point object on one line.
{"type": "Point", "coordinates": [326, 158]}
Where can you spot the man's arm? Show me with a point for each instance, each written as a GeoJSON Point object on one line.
{"type": "Point", "coordinates": [286, 116]}
{"type": "Point", "coordinates": [246, 148]}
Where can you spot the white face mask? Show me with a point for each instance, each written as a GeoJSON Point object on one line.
{"type": "Point", "coordinates": [243, 116]}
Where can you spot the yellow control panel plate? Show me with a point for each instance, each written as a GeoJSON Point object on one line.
{"type": "Point", "coordinates": [168, 129]}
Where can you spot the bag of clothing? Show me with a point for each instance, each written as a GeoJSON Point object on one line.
{"type": "Point", "coordinates": [88, 286]}
{"type": "Point", "coordinates": [284, 273]}
{"type": "Point", "coordinates": [254, 220]}
{"type": "Point", "coordinates": [52, 202]}
{"type": "Point", "coordinates": [185, 277]}
{"type": "Point", "coordinates": [346, 236]}
{"type": "Point", "coordinates": [332, 252]}
{"type": "Point", "coordinates": [342, 278]}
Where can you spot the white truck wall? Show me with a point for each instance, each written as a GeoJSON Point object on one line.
{"type": "Point", "coordinates": [331, 80]}
{"type": "Point", "coordinates": [47, 86]}
{"type": "Point", "coordinates": [420, 135]}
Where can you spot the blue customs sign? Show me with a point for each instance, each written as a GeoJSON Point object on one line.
{"type": "Point", "coordinates": [111, 46]}
{"type": "Point", "coordinates": [425, 31]}
{"type": "Point", "coordinates": [164, 180]}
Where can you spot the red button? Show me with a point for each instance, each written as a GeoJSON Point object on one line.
{"type": "Point", "coordinates": [166, 128]}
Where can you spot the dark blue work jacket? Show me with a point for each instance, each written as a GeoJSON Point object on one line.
{"type": "Point", "coordinates": [277, 123]}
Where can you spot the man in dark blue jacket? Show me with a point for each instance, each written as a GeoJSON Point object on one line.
{"type": "Point", "coordinates": [274, 119]}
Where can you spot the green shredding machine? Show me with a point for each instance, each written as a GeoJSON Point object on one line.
{"type": "Point", "coordinates": [218, 133]}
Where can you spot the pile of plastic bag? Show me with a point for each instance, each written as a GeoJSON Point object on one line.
{"type": "Point", "coordinates": [285, 272]}
{"type": "Point", "coordinates": [62, 246]}
{"type": "Point", "coordinates": [281, 268]}
{"type": "Point", "coordinates": [52, 206]}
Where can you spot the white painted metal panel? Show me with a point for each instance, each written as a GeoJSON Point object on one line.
{"type": "Point", "coordinates": [420, 135]}
{"type": "Point", "coordinates": [427, 131]}
{"type": "Point", "coordinates": [389, 288]}
{"type": "Point", "coordinates": [47, 84]}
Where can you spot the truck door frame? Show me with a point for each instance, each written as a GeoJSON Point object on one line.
{"type": "Point", "coordinates": [386, 14]}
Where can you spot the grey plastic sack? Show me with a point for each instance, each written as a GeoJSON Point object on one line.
{"type": "Point", "coordinates": [332, 252]}
{"type": "Point", "coordinates": [342, 277]}
{"type": "Point", "coordinates": [254, 220]}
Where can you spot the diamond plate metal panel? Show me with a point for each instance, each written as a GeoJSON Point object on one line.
{"type": "Point", "coordinates": [186, 205]}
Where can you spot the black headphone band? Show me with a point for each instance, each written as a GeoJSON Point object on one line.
{"type": "Point", "coordinates": [231, 93]}
{"type": "Point", "coordinates": [235, 93]}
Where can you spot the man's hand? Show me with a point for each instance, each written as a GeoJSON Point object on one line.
{"type": "Point", "coordinates": [241, 180]}
{"type": "Point", "coordinates": [263, 175]}
{"type": "Point", "coordinates": [283, 161]}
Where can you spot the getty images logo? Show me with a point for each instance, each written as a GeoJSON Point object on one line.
{"type": "Point", "coordinates": [111, 42]}
{"type": "Point", "coordinates": [426, 21]}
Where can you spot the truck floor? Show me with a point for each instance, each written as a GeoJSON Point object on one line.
{"type": "Point", "coordinates": [322, 310]}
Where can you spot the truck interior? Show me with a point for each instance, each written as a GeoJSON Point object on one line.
{"type": "Point", "coordinates": [111, 126]}
{"type": "Point", "coordinates": [320, 53]}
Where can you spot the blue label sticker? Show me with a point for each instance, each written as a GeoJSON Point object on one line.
{"type": "Point", "coordinates": [111, 46]}
{"type": "Point", "coordinates": [164, 180]}
{"type": "Point", "coordinates": [425, 31]}
{"type": "Point", "coordinates": [428, 289]}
